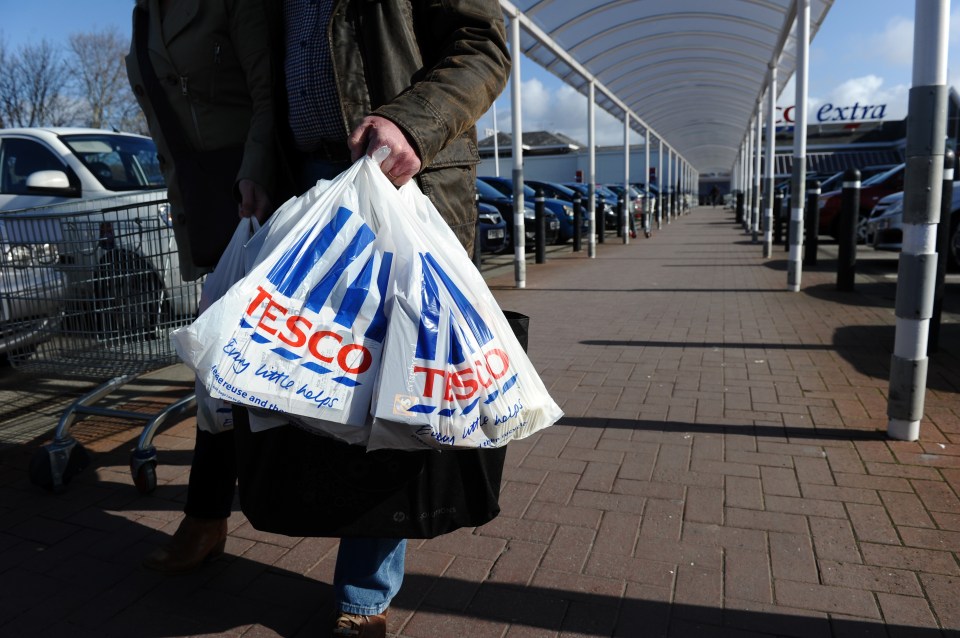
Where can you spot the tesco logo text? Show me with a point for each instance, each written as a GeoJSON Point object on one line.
{"type": "Point", "coordinates": [462, 385]}
{"type": "Point", "coordinates": [296, 331]}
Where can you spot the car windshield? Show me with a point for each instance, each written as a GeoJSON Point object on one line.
{"type": "Point", "coordinates": [119, 162]}
{"type": "Point", "coordinates": [830, 182]}
{"type": "Point", "coordinates": [882, 177]}
{"type": "Point", "coordinates": [559, 188]}
{"type": "Point", "coordinates": [487, 191]}
{"type": "Point", "coordinates": [505, 186]}
{"type": "Point", "coordinates": [606, 192]}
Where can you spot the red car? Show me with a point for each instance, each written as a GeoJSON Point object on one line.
{"type": "Point", "coordinates": [872, 190]}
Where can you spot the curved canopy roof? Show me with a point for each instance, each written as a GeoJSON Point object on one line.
{"type": "Point", "coordinates": [691, 70]}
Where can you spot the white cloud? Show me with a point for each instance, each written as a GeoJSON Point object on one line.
{"type": "Point", "coordinates": [869, 90]}
{"type": "Point", "coordinates": [563, 110]}
{"type": "Point", "coordinates": [894, 45]}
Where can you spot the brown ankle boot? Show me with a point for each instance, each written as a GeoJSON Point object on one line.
{"type": "Point", "coordinates": [196, 540]}
{"type": "Point", "coordinates": [357, 626]}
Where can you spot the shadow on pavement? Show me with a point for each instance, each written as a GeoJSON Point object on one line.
{"type": "Point", "coordinates": [682, 427]}
{"type": "Point", "coordinates": [91, 585]}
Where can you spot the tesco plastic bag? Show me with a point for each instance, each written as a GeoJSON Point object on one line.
{"type": "Point", "coordinates": [215, 415]}
{"type": "Point", "coordinates": [453, 373]}
{"type": "Point", "coordinates": [302, 332]}
{"type": "Point", "coordinates": [367, 306]}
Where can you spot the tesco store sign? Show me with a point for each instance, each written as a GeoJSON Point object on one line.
{"type": "Point", "coordinates": [831, 113]}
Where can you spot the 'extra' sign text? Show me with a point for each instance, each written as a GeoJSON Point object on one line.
{"type": "Point", "coordinates": [832, 113]}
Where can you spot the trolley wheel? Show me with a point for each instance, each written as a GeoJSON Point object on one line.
{"type": "Point", "coordinates": [145, 477]}
{"type": "Point", "coordinates": [41, 469]}
{"type": "Point", "coordinates": [129, 295]}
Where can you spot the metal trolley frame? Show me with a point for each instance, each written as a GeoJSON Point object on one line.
{"type": "Point", "coordinates": [91, 290]}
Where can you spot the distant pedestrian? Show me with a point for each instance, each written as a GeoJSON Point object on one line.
{"type": "Point", "coordinates": [714, 195]}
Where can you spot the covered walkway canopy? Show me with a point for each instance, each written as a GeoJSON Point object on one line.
{"type": "Point", "coordinates": [692, 71]}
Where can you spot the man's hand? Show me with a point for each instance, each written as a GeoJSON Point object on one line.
{"type": "Point", "coordinates": [253, 200]}
{"type": "Point", "coordinates": [402, 163]}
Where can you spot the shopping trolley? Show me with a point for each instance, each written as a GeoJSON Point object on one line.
{"type": "Point", "coordinates": [92, 290]}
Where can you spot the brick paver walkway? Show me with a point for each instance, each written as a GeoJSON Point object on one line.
{"type": "Point", "coordinates": [722, 470]}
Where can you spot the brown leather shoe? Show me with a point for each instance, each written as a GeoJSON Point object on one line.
{"type": "Point", "coordinates": [356, 626]}
{"type": "Point", "coordinates": [195, 541]}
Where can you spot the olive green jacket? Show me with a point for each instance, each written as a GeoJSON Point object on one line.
{"type": "Point", "coordinates": [433, 67]}
{"type": "Point", "coordinates": [214, 66]}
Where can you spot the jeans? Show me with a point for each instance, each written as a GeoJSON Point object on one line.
{"type": "Point", "coordinates": [368, 574]}
{"type": "Point", "coordinates": [369, 571]}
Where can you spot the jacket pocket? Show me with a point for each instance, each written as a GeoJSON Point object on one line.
{"type": "Point", "coordinates": [461, 152]}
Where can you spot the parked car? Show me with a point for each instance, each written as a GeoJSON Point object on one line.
{"type": "Point", "coordinates": [885, 227]}
{"type": "Point", "coordinates": [635, 196]}
{"type": "Point", "coordinates": [102, 198]}
{"type": "Point", "coordinates": [487, 194]}
{"type": "Point", "coordinates": [556, 190]}
{"type": "Point", "coordinates": [492, 228]}
{"type": "Point", "coordinates": [872, 190]}
{"type": "Point", "coordinates": [32, 288]}
{"type": "Point", "coordinates": [603, 197]}
{"type": "Point", "coordinates": [563, 210]}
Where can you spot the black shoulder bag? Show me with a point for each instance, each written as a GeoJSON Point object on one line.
{"type": "Point", "coordinates": [298, 483]}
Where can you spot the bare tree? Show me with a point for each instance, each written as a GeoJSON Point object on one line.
{"type": "Point", "coordinates": [31, 87]}
{"type": "Point", "coordinates": [96, 62]}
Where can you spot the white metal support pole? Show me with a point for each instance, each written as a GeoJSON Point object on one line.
{"type": "Point", "coordinates": [519, 229]}
{"type": "Point", "coordinates": [917, 272]}
{"type": "Point", "coordinates": [496, 143]}
{"type": "Point", "coordinates": [659, 182]}
{"type": "Point", "coordinates": [669, 184]}
{"type": "Point", "coordinates": [741, 195]}
{"type": "Point", "coordinates": [648, 200]}
{"type": "Point", "coordinates": [748, 182]}
{"type": "Point", "coordinates": [771, 139]}
{"type": "Point", "coordinates": [626, 178]}
{"type": "Point", "coordinates": [798, 194]}
{"type": "Point", "coordinates": [592, 174]}
{"type": "Point", "coordinates": [755, 214]}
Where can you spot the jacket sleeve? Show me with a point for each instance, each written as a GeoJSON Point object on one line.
{"type": "Point", "coordinates": [249, 35]}
{"type": "Point", "coordinates": [466, 65]}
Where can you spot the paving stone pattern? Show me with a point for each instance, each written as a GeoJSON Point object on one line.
{"type": "Point", "coordinates": [721, 469]}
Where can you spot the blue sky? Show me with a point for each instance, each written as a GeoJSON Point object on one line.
{"type": "Point", "coordinates": [861, 53]}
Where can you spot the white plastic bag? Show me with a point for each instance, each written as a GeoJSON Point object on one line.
{"type": "Point", "coordinates": [453, 373]}
{"type": "Point", "coordinates": [366, 304]}
{"type": "Point", "coordinates": [302, 332]}
{"type": "Point", "coordinates": [214, 415]}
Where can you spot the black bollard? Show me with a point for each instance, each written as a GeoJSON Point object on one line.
{"type": "Point", "coordinates": [787, 214]}
{"type": "Point", "coordinates": [943, 247]}
{"type": "Point", "coordinates": [849, 217]}
{"type": "Point", "coordinates": [541, 230]}
{"type": "Point", "coordinates": [598, 220]}
{"type": "Point", "coordinates": [620, 219]}
{"type": "Point", "coordinates": [476, 245]}
{"type": "Point", "coordinates": [476, 236]}
{"type": "Point", "coordinates": [812, 224]}
{"type": "Point", "coordinates": [739, 208]}
{"type": "Point", "coordinates": [778, 218]}
{"type": "Point", "coordinates": [577, 224]}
